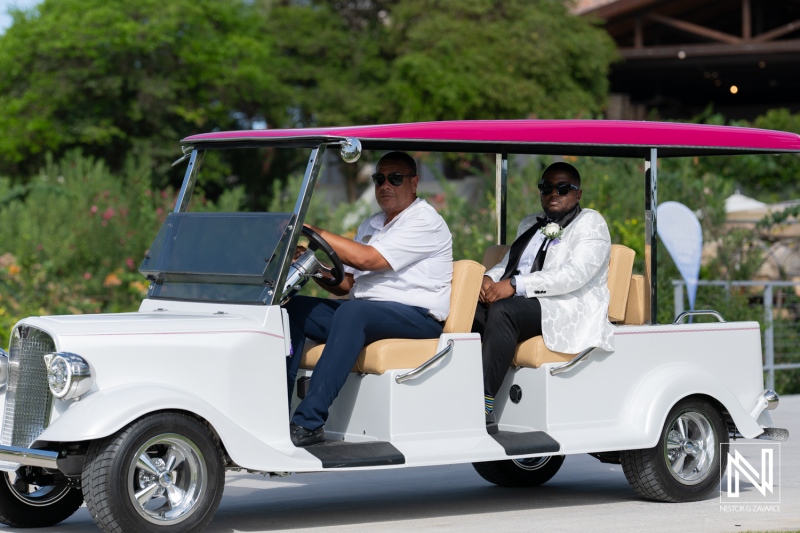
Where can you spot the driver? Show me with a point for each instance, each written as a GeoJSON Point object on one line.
{"type": "Point", "coordinates": [398, 270]}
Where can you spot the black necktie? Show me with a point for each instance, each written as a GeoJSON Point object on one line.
{"type": "Point", "coordinates": [519, 246]}
{"type": "Point", "coordinates": [521, 243]}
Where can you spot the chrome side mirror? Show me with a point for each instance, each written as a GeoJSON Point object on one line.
{"type": "Point", "coordinates": [351, 150]}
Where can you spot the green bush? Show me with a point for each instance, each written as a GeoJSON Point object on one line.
{"type": "Point", "coordinates": [74, 236]}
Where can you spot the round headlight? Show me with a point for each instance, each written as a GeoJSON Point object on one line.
{"type": "Point", "coordinates": [68, 375]}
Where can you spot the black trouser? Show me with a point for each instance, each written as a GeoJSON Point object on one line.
{"type": "Point", "coordinates": [503, 325]}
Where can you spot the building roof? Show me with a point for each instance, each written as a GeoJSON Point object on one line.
{"type": "Point", "coordinates": [679, 56]}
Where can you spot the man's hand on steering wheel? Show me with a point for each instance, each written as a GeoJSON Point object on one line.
{"type": "Point", "coordinates": [335, 274]}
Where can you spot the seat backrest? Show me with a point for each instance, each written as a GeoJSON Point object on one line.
{"type": "Point", "coordinates": [620, 268]}
{"type": "Point", "coordinates": [467, 278]}
{"type": "Point", "coordinates": [494, 254]}
{"type": "Point", "coordinates": [635, 311]}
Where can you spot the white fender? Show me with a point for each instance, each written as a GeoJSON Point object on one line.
{"type": "Point", "coordinates": [667, 385]}
{"type": "Point", "coordinates": [103, 413]}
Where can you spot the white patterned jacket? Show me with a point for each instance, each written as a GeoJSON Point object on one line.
{"type": "Point", "coordinates": [572, 286]}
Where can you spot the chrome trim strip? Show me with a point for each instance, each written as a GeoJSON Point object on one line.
{"type": "Point", "coordinates": [711, 312]}
{"type": "Point", "coordinates": [29, 457]}
{"type": "Point", "coordinates": [578, 359]}
{"type": "Point", "coordinates": [427, 365]}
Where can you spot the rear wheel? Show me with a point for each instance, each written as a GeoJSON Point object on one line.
{"type": "Point", "coordinates": [163, 473]}
{"type": "Point", "coordinates": [32, 497]}
{"type": "Point", "coordinates": [689, 459]}
{"type": "Point", "coordinates": [530, 472]}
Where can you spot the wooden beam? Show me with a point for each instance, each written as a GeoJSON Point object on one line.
{"type": "Point", "coordinates": [620, 8]}
{"type": "Point", "coordinates": [710, 50]}
{"type": "Point", "coordinates": [747, 31]}
{"type": "Point", "coordinates": [695, 29]}
{"type": "Point", "coordinates": [777, 32]}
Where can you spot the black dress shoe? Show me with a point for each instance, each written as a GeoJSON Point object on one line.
{"type": "Point", "coordinates": [491, 424]}
{"type": "Point", "coordinates": [305, 437]}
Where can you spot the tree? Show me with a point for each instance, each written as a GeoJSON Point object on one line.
{"type": "Point", "coordinates": [112, 77]}
{"type": "Point", "coordinates": [480, 59]}
{"type": "Point", "coordinates": [413, 60]}
{"type": "Point", "coordinates": [377, 61]}
{"type": "Point", "coordinates": [116, 78]}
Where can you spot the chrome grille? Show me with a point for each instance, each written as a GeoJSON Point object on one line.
{"type": "Point", "coordinates": [28, 398]}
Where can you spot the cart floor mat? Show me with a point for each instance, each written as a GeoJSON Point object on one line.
{"type": "Point", "coordinates": [339, 454]}
{"type": "Point", "coordinates": [526, 443]}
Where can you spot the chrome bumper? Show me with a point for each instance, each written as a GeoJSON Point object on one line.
{"type": "Point", "coordinates": [11, 458]}
{"type": "Point", "coordinates": [767, 401]}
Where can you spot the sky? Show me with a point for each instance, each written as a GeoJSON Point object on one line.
{"type": "Point", "coordinates": [5, 19]}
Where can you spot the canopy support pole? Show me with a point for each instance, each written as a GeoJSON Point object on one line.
{"type": "Point", "coordinates": [650, 235]}
{"type": "Point", "coordinates": [500, 192]}
{"type": "Point", "coordinates": [189, 180]}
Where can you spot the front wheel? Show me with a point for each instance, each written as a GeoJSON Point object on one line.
{"type": "Point", "coordinates": [689, 459]}
{"type": "Point", "coordinates": [33, 497]}
{"type": "Point", "coordinates": [530, 472]}
{"type": "Point", "coordinates": [163, 473]}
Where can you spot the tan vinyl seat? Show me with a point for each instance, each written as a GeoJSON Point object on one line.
{"type": "Point", "coordinates": [390, 354]}
{"type": "Point", "coordinates": [635, 312]}
{"type": "Point", "coordinates": [532, 353]}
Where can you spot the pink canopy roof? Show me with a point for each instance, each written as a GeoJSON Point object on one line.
{"type": "Point", "coordinates": [565, 137]}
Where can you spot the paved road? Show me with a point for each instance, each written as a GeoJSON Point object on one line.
{"type": "Point", "coordinates": [585, 495]}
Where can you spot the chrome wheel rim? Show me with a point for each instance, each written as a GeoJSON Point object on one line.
{"type": "Point", "coordinates": [691, 447]}
{"type": "Point", "coordinates": [532, 463]}
{"type": "Point", "coordinates": [166, 479]}
{"type": "Point", "coordinates": [35, 495]}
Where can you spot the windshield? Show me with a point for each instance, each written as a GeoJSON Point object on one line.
{"type": "Point", "coordinates": [228, 257]}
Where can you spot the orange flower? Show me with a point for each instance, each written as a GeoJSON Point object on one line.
{"type": "Point", "coordinates": [112, 280]}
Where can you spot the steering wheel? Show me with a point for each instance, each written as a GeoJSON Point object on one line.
{"type": "Point", "coordinates": [316, 242]}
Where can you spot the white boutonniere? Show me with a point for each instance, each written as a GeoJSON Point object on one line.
{"type": "Point", "coordinates": [553, 231]}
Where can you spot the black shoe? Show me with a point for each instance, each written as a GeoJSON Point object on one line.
{"type": "Point", "coordinates": [491, 424]}
{"type": "Point", "coordinates": [305, 437]}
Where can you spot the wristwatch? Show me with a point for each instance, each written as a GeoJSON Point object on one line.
{"type": "Point", "coordinates": [513, 281]}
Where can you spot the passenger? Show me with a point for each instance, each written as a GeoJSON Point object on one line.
{"type": "Point", "coordinates": [552, 282]}
{"type": "Point", "coordinates": [398, 274]}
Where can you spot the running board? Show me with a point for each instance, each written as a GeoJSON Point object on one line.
{"type": "Point", "coordinates": [339, 454]}
{"type": "Point", "coordinates": [526, 443]}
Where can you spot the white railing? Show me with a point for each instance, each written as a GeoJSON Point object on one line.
{"type": "Point", "coordinates": [769, 320]}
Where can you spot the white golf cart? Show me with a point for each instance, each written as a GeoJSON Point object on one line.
{"type": "Point", "coordinates": [140, 414]}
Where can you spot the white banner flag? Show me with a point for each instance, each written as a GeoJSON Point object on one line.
{"type": "Point", "coordinates": [679, 230]}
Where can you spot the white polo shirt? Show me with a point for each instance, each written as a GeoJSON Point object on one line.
{"type": "Point", "coordinates": [419, 248]}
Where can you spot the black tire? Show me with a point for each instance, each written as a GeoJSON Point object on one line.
{"type": "Point", "coordinates": [167, 453]}
{"type": "Point", "coordinates": [688, 461]}
{"type": "Point", "coordinates": [30, 497]}
{"type": "Point", "coordinates": [520, 472]}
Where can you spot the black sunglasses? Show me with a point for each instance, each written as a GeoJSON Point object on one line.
{"type": "Point", "coordinates": [562, 188]}
{"type": "Point", "coordinates": [395, 178]}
